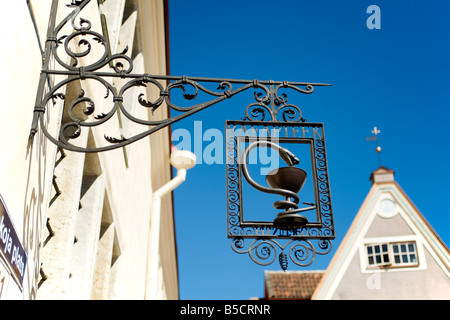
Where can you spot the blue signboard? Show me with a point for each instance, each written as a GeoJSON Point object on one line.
{"type": "Point", "coordinates": [11, 250]}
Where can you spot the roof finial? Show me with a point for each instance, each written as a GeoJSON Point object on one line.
{"type": "Point", "coordinates": [375, 131]}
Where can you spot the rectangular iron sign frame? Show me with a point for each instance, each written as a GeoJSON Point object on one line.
{"type": "Point", "coordinates": [279, 132]}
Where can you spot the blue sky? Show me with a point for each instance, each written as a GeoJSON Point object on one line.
{"type": "Point", "coordinates": [395, 78]}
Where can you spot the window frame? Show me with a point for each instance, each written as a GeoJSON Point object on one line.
{"type": "Point", "coordinates": [383, 254]}
{"type": "Point", "coordinates": [402, 253]}
{"type": "Point", "coordinates": [391, 264]}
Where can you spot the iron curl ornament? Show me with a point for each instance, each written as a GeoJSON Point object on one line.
{"type": "Point", "coordinates": [266, 251]}
{"type": "Point", "coordinates": [101, 65]}
{"type": "Point", "coordinates": [76, 55]}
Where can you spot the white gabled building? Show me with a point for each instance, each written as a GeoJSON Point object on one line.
{"type": "Point", "coordinates": [389, 252]}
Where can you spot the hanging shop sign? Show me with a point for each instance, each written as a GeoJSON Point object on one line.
{"type": "Point", "coordinates": [279, 202]}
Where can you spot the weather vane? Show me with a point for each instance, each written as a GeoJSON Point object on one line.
{"type": "Point", "coordinates": [375, 131]}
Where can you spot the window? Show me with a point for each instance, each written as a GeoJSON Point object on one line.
{"type": "Point", "coordinates": [404, 253]}
{"type": "Point", "coordinates": [378, 254]}
{"type": "Point", "coordinates": [393, 254]}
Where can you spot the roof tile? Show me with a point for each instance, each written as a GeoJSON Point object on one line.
{"type": "Point", "coordinates": [291, 285]}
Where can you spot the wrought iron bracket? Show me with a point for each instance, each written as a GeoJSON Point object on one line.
{"type": "Point", "coordinates": [78, 47]}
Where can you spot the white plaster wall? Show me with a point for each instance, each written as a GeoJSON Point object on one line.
{"type": "Point", "coordinates": [26, 173]}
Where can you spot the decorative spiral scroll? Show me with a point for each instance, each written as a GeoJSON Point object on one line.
{"type": "Point", "coordinates": [259, 112]}
{"type": "Point", "coordinates": [265, 251]}
{"type": "Point", "coordinates": [290, 113]}
{"type": "Point", "coordinates": [272, 106]}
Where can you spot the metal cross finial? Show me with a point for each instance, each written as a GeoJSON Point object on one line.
{"type": "Point", "coordinates": [375, 131]}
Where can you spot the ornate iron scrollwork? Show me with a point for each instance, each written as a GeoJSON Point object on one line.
{"type": "Point", "coordinates": [265, 251]}
{"type": "Point", "coordinates": [83, 55]}
{"type": "Point", "coordinates": [84, 65]}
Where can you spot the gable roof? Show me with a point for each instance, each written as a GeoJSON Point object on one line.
{"type": "Point", "coordinates": [299, 285]}
{"type": "Point", "coordinates": [384, 187]}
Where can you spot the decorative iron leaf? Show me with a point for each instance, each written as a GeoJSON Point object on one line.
{"type": "Point", "coordinates": [59, 96]}
{"type": "Point", "coordinates": [140, 83]}
{"type": "Point", "coordinates": [114, 140]}
{"type": "Point", "coordinates": [90, 109]}
{"type": "Point", "coordinates": [99, 40]}
{"type": "Point", "coordinates": [124, 51]}
{"type": "Point", "coordinates": [146, 103]}
{"type": "Point", "coordinates": [179, 86]}
{"type": "Point", "coordinates": [60, 40]}
{"type": "Point", "coordinates": [85, 42]}
{"type": "Point", "coordinates": [100, 116]}
{"type": "Point", "coordinates": [74, 3]}
{"type": "Point", "coordinates": [189, 96]}
{"type": "Point", "coordinates": [76, 134]}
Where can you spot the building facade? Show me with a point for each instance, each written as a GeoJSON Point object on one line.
{"type": "Point", "coordinates": [83, 221]}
